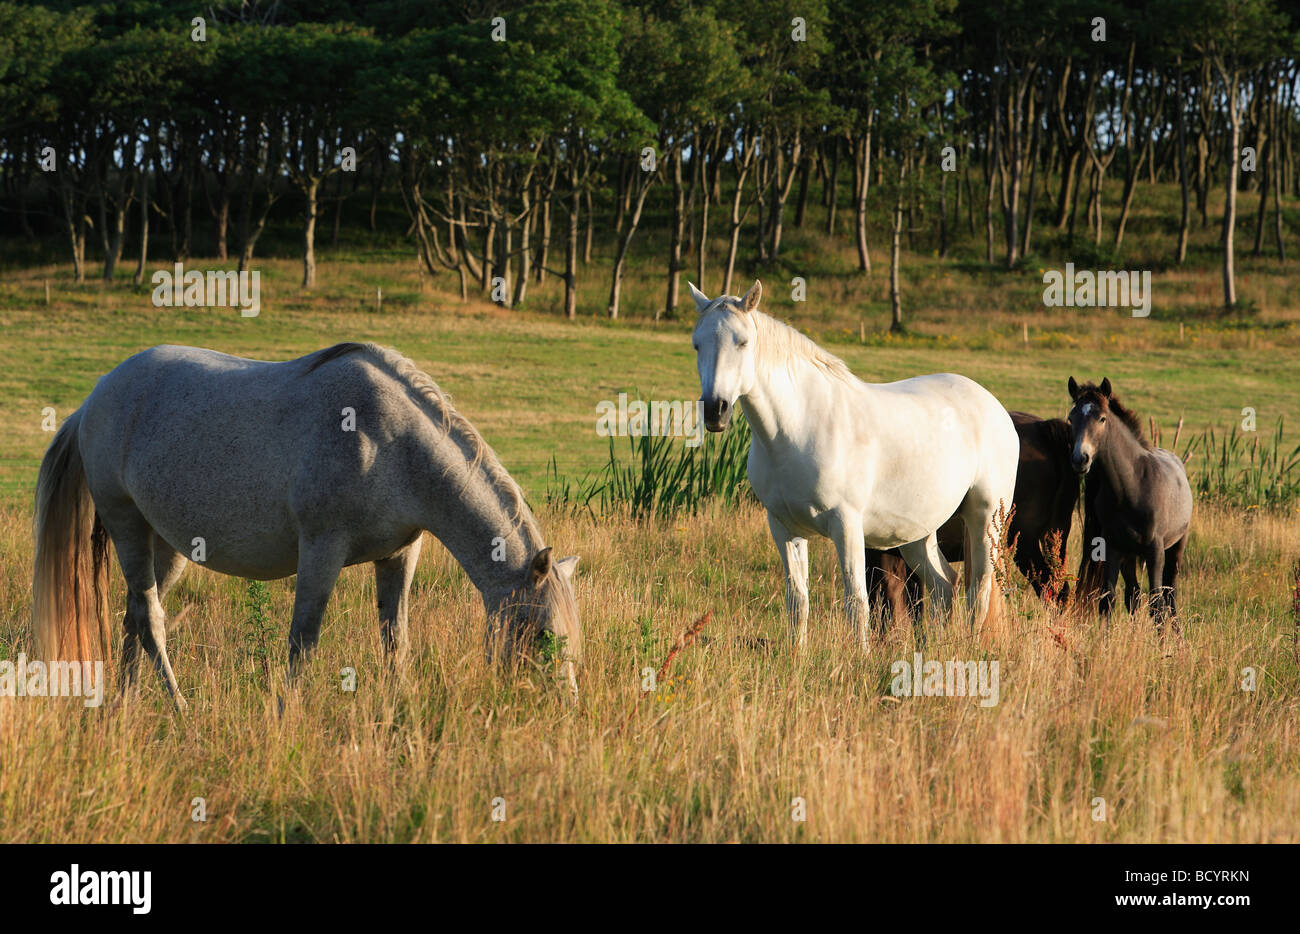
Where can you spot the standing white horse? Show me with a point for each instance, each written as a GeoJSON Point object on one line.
{"type": "Point", "coordinates": [863, 464]}
{"type": "Point", "coordinates": [263, 470]}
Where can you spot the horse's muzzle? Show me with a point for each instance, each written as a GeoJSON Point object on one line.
{"type": "Point", "coordinates": [1081, 463]}
{"type": "Point", "coordinates": [717, 414]}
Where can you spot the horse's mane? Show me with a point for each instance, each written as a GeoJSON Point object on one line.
{"type": "Point", "coordinates": [1090, 392]}
{"type": "Point", "coordinates": [425, 392]}
{"type": "Point", "coordinates": [1056, 431]}
{"type": "Point", "coordinates": [778, 342]}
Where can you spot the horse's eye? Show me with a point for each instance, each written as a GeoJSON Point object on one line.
{"type": "Point", "coordinates": [742, 343]}
{"type": "Point", "coordinates": [1102, 419]}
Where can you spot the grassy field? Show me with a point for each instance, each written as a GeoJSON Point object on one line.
{"type": "Point", "coordinates": [1161, 731]}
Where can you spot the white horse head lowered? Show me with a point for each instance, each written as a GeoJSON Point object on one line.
{"type": "Point", "coordinates": [879, 465]}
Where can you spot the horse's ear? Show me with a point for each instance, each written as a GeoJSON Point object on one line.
{"type": "Point", "coordinates": [1074, 389]}
{"type": "Point", "coordinates": [1105, 387]}
{"type": "Point", "coordinates": [567, 567]}
{"type": "Point", "coordinates": [701, 300]}
{"type": "Point", "coordinates": [750, 301]}
{"type": "Point", "coordinates": [540, 567]}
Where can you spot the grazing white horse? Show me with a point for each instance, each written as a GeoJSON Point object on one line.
{"type": "Point", "coordinates": [264, 470]}
{"type": "Point", "coordinates": [864, 464]}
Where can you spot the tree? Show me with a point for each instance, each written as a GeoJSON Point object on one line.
{"type": "Point", "coordinates": [678, 73]}
{"type": "Point", "coordinates": [1238, 36]}
{"type": "Point", "coordinates": [909, 88]}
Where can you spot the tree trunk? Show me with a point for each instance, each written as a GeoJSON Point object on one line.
{"type": "Point", "coordinates": [221, 223]}
{"type": "Point", "coordinates": [1184, 221]}
{"type": "Point", "coordinates": [781, 194]}
{"type": "Point", "coordinates": [488, 270]}
{"type": "Point", "coordinates": [742, 170]}
{"type": "Point", "coordinates": [591, 224]}
{"type": "Point", "coordinates": [75, 215]}
{"type": "Point", "coordinates": [544, 246]}
{"type": "Point", "coordinates": [676, 234]}
{"type": "Point", "coordinates": [620, 206]}
{"type": "Point", "coordinates": [1130, 188]}
{"type": "Point", "coordinates": [1265, 154]}
{"type": "Point", "coordinates": [311, 189]}
{"type": "Point", "coordinates": [1230, 201]}
{"type": "Point", "coordinates": [1034, 143]}
{"type": "Point", "coordinates": [114, 224]}
{"type": "Point", "coordinates": [895, 290]}
{"type": "Point", "coordinates": [138, 278]}
{"type": "Point", "coordinates": [339, 197]}
{"type": "Point", "coordinates": [991, 171]}
{"type": "Point", "coordinates": [1066, 193]}
{"type": "Point", "coordinates": [1203, 179]}
{"type": "Point", "coordinates": [1010, 164]}
{"type": "Point", "coordinates": [525, 247]}
{"type": "Point", "coordinates": [704, 233]}
{"type": "Point", "coordinates": [805, 169]}
{"type": "Point", "coordinates": [1277, 189]}
{"type": "Point", "coordinates": [571, 248]}
{"type": "Point", "coordinates": [943, 212]}
{"type": "Point", "coordinates": [861, 181]}
{"type": "Point", "coordinates": [832, 187]}
{"type": "Point", "coordinates": [642, 188]}
{"type": "Point", "coordinates": [187, 211]}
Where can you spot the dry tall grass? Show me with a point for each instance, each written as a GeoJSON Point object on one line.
{"type": "Point", "coordinates": [1162, 732]}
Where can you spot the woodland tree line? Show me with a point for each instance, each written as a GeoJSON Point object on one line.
{"type": "Point", "coordinates": [513, 131]}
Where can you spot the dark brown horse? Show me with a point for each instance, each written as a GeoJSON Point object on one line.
{"type": "Point", "coordinates": [1046, 491]}
{"type": "Point", "coordinates": [1138, 504]}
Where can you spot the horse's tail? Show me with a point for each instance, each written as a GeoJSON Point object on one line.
{"type": "Point", "coordinates": [70, 582]}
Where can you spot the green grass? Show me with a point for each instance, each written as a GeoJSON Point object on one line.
{"type": "Point", "coordinates": [531, 383]}
{"type": "Point", "coordinates": [1160, 730]}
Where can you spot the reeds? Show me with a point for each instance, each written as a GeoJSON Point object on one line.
{"type": "Point", "coordinates": [1244, 468]}
{"type": "Point", "coordinates": [662, 476]}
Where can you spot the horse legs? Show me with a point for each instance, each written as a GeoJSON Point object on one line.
{"type": "Point", "coordinates": [890, 586]}
{"type": "Point", "coordinates": [913, 593]}
{"type": "Point", "coordinates": [1173, 558]}
{"type": "Point", "coordinates": [145, 623]}
{"type": "Point", "coordinates": [1156, 583]}
{"type": "Point", "coordinates": [1132, 589]}
{"type": "Point", "coordinates": [1110, 575]}
{"type": "Point", "coordinates": [794, 555]}
{"type": "Point", "coordinates": [979, 561]}
{"type": "Point", "coordinates": [1028, 555]}
{"type": "Point", "coordinates": [168, 565]}
{"type": "Point", "coordinates": [879, 582]}
{"type": "Point", "coordinates": [1058, 532]}
{"type": "Point", "coordinates": [392, 585]}
{"type": "Point", "coordinates": [1062, 543]}
{"type": "Point", "coordinates": [319, 562]}
{"type": "Point", "coordinates": [846, 532]}
{"type": "Point", "coordinates": [1031, 564]}
{"type": "Point", "coordinates": [1092, 560]}
{"type": "Point", "coordinates": [940, 580]}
